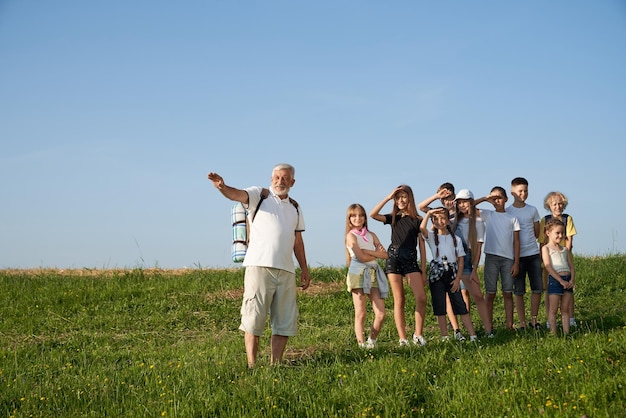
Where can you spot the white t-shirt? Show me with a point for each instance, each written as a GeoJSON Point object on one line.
{"type": "Point", "coordinates": [273, 232]}
{"type": "Point", "coordinates": [446, 247]}
{"type": "Point", "coordinates": [499, 228]}
{"type": "Point", "coordinates": [462, 229]}
{"type": "Point", "coordinates": [526, 216]}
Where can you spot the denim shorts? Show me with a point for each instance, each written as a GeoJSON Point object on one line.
{"type": "Point", "coordinates": [497, 266]}
{"type": "Point", "coordinates": [467, 263]}
{"type": "Point", "coordinates": [401, 261]}
{"type": "Point", "coordinates": [555, 288]}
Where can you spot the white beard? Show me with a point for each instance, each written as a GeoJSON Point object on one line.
{"type": "Point", "coordinates": [282, 193]}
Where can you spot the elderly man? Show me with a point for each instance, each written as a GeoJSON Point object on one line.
{"type": "Point", "coordinates": [276, 225]}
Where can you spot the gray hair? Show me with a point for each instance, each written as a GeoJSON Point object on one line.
{"type": "Point", "coordinates": [285, 166]}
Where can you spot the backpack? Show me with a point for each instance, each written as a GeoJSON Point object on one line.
{"type": "Point", "coordinates": [564, 217]}
{"type": "Point", "coordinates": [241, 229]}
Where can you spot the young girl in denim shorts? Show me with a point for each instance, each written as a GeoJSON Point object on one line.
{"type": "Point", "coordinates": [558, 262]}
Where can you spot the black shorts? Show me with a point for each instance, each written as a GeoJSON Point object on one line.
{"type": "Point", "coordinates": [401, 261]}
{"type": "Point", "coordinates": [438, 292]}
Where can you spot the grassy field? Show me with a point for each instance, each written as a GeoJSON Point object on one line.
{"type": "Point", "coordinates": [154, 343]}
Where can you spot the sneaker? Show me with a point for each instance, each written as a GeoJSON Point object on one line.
{"type": "Point", "coordinates": [445, 338]}
{"type": "Point", "coordinates": [458, 336]}
{"type": "Point", "coordinates": [419, 340]}
{"type": "Point", "coordinates": [490, 334]}
{"type": "Point", "coordinates": [547, 324]}
{"type": "Point", "coordinates": [370, 344]}
{"type": "Point", "coordinates": [473, 338]}
{"type": "Point", "coordinates": [572, 322]}
{"type": "Point", "coordinates": [404, 343]}
{"type": "Point", "coordinates": [362, 345]}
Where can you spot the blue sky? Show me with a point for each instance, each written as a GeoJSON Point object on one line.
{"type": "Point", "coordinates": [112, 114]}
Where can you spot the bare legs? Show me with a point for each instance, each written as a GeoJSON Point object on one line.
{"type": "Point", "coordinates": [564, 301]}
{"type": "Point", "coordinates": [416, 283]}
{"type": "Point", "coordinates": [520, 309]}
{"type": "Point", "coordinates": [360, 312]}
{"type": "Point", "coordinates": [467, 323]}
{"type": "Point", "coordinates": [278, 343]}
{"type": "Point", "coordinates": [443, 325]}
{"type": "Point", "coordinates": [535, 301]}
{"type": "Point", "coordinates": [450, 313]}
{"type": "Point", "coordinates": [473, 287]}
{"type": "Point", "coordinates": [252, 348]}
{"type": "Point", "coordinates": [489, 298]}
{"type": "Point", "coordinates": [378, 304]}
{"type": "Point", "coordinates": [508, 309]}
{"type": "Point", "coordinates": [397, 289]}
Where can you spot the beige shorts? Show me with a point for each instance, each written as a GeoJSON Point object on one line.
{"type": "Point", "coordinates": [269, 291]}
{"type": "Point", "coordinates": [355, 281]}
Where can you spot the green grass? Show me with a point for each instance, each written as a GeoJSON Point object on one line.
{"type": "Point", "coordinates": [157, 343]}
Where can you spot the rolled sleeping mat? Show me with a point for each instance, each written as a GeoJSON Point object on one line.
{"type": "Point", "coordinates": [240, 235]}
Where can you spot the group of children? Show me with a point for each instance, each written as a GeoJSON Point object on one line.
{"type": "Point", "coordinates": [517, 242]}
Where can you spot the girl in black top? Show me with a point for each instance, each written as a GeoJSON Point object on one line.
{"type": "Point", "coordinates": [403, 260]}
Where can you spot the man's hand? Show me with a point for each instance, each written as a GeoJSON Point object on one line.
{"type": "Point", "coordinates": [217, 180]}
{"type": "Point", "coordinates": [305, 280]}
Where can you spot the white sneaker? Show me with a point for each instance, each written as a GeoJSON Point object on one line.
{"type": "Point", "coordinates": [370, 344]}
{"type": "Point", "coordinates": [458, 336]}
{"type": "Point", "coordinates": [547, 324]}
{"type": "Point", "coordinates": [445, 338]}
{"type": "Point", "coordinates": [404, 343]}
{"type": "Point", "coordinates": [419, 340]}
{"type": "Point", "coordinates": [473, 338]}
{"type": "Point", "coordinates": [572, 322]}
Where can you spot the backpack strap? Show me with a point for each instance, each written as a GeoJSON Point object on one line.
{"type": "Point", "coordinates": [264, 195]}
{"type": "Point", "coordinates": [564, 217]}
{"type": "Point", "coordinates": [295, 205]}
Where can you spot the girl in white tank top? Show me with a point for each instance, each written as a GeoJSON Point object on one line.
{"type": "Point", "coordinates": [560, 267]}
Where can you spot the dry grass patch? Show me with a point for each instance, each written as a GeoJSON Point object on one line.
{"type": "Point", "coordinates": [315, 289]}
{"type": "Point", "coordinates": [87, 272]}
{"type": "Point", "coordinates": [322, 288]}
